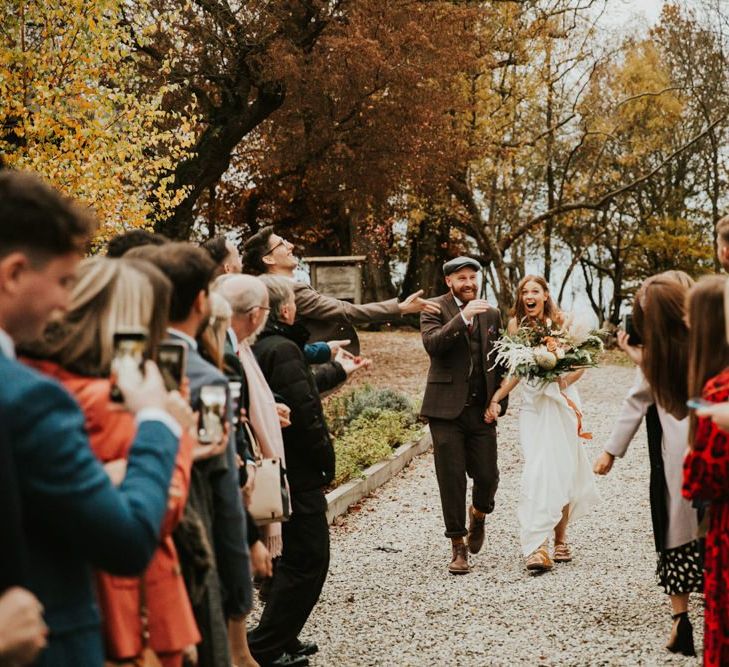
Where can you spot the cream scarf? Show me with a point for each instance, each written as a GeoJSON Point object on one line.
{"type": "Point", "coordinates": [263, 419]}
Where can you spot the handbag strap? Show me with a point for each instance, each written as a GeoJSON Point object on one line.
{"type": "Point", "coordinates": [255, 447]}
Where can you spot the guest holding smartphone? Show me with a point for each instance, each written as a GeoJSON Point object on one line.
{"type": "Point", "coordinates": [706, 468]}
{"type": "Point", "coordinates": [73, 517]}
{"type": "Point", "coordinates": [661, 380]}
{"type": "Point", "coordinates": [111, 296]}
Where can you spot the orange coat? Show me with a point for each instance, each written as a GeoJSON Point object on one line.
{"type": "Point", "coordinates": [171, 622]}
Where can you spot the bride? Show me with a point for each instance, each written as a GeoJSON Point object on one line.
{"type": "Point", "coordinates": [557, 483]}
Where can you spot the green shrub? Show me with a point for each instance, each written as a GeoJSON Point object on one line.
{"type": "Point", "coordinates": [343, 409]}
{"type": "Point", "coordinates": [370, 438]}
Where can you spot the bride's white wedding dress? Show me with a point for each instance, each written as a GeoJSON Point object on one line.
{"type": "Point", "coordinates": [557, 471]}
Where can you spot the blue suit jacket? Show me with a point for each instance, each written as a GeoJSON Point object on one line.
{"type": "Point", "coordinates": [74, 518]}
{"type": "Point", "coordinates": [229, 522]}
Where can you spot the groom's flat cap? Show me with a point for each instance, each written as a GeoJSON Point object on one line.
{"type": "Point", "coordinates": [458, 263]}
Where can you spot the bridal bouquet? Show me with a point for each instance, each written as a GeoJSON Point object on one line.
{"type": "Point", "coordinates": [544, 351]}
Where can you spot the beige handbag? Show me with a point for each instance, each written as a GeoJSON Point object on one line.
{"type": "Point", "coordinates": [269, 502]}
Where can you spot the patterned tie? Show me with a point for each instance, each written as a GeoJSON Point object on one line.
{"type": "Point", "coordinates": [469, 325]}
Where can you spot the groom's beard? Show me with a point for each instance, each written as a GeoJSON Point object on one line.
{"type": "Point", "coordinates": [464, 294]}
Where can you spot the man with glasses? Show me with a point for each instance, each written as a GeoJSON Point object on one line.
{"type": "Point", "coordinates": [325, 317]}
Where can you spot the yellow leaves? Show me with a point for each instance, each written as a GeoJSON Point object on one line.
{"type": "Point", "coordinates": [69, 93]}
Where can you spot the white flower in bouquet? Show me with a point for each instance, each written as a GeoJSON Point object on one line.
{"type": "Point", "coordinates": [544, 358]}
{"type": "Point", "coordinates": [560, 353]}
{"type": "Point", "coordinates": [579, 328]}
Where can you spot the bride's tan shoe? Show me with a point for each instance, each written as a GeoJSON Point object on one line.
{"type": "Point", "coordinates": [539, 560]}
{"type": "Point", "coordinates": [562, 552]}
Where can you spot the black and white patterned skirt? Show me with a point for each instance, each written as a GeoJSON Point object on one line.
{"type": "Point", "coordinates": [681, 570]}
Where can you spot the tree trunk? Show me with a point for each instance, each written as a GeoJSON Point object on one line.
{"type": "Point", "coordinates": [428, 251]}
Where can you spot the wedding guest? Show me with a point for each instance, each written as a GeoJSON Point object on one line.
{"type": "Point", "coordinates": [109, 296]}
{"type": "Point", "coordinates": [225, 255]}
{"type": "Point", "coordinates": [557, 484]}
{"type": "Point", "coordinates": [325, 317]}
{"type": "Point", "coordinates": [459, 387]}
{"type": "Point", "coordinates": [300, 574]}
{"type": "Point", "coordinates": [662, 379]}
{"type": "Point", "coordinates": [214, 493]}
{"type": "Point", "coordinates": [719, 413]}
{"type": "Point", "coordinates": [74, 518]}
{"type": "Point", "coordinates": [706, 468]}
{"type": "Point", "coordinates": [120, 244]}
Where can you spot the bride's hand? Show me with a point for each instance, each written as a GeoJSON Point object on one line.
{"type": "Point", "coordinates": [492, 412]}
{"type": "Point", "coordinates": [603, 464]}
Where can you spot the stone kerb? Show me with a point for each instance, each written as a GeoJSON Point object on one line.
{"type": "Point", "coordinates": [339, 500]}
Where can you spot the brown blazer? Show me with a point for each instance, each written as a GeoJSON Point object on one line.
{"type": "Point", "coordinates": [445, 337]}
{"type": "Point", "coordinates": [328, 318]}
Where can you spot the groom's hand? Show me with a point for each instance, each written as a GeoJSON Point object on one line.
{"type": "Point", "coordinates": [475, 307]}
{"type": "Point", "coordinates": [492, 412]}
{"type": "Point", "coordinates": [603, 464]}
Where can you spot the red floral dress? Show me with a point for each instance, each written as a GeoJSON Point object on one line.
{"type": "Point", "coordinates": [706, 477]}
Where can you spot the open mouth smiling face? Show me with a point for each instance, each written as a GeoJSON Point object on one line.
{"type": "Point", "coordinates": [533, 298]}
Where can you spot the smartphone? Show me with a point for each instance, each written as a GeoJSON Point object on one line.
{"type": "Point", "coordinates": [172, 361]}
{"type": "Point", "coordinates": [212, 413]}
{"type": "Point", "coordinates": [633, 336]}
{"type": "Point", "coordinates": [697, 402]}
{"type": "Point", "coordinates": [129, 353]}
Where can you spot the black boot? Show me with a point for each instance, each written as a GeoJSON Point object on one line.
{"type": "Point", "coordinates": [683, 642]}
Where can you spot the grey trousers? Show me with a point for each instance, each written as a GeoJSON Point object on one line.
{"type": "Point", "coordinates": [464, 446]}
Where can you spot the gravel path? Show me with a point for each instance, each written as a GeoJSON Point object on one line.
{"type": "Point", "coordinates": [389, 600]}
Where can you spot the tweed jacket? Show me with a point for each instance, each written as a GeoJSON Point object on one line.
{"type": "Point", "coordinates": [74, 519]}
{"type": "Point", "coordinates": [445, 338]}
{"type": "Point", "coordinates": [328, 318]}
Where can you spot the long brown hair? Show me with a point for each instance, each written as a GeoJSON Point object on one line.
{"type": "Point", "coordinates": [658, 316]}
{"type": "Point", "coordinates": [708, 347]}
{"type": "Point", "coordinates": [551, 310]}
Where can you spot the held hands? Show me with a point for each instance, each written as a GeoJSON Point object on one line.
{"type": "Point", "coordinates": [475, 307]}
{"type": "Point", "coordinates": [22, 629]}
{"type": "Point", "coordinates": [492, 412]}
{"type": "Point", "coordinates": [635, 353]}
{"type": "Point", "coordinates": [416, 304]}
{"type": "Point", "coordinates": [719, 414]}
{"type": "Point", "coordinates": [603, 464]}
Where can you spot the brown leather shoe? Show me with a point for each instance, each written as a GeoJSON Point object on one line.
{"type": "Point", "coordinates": [459, 562]}
{"type": "Point", "coordinates": [475, 531]}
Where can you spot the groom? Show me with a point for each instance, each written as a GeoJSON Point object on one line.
{"type": "Point", "coordinates": [459, 389]}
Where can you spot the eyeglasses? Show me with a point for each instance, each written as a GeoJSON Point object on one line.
{"type": "Point", "coordinates": [280, 243]}
{"type": "Point", "coordinates": [248, 310]}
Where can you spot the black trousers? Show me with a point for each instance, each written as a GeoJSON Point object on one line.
{"type": "Point", "coordinates": [297, 584]}
{"type": "Point", "coordinates": [464, 446]}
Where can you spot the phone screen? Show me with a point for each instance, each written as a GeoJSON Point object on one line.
{"type": "Point", "coordinates": [697, 402]}
{"type": "Point", "coordinates": [171, 359]}
{"type": "Point", "coordinates": [129, 351]}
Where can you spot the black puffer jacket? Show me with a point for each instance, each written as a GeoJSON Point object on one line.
{"type": "Point", "coordinates": [309, 451]}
